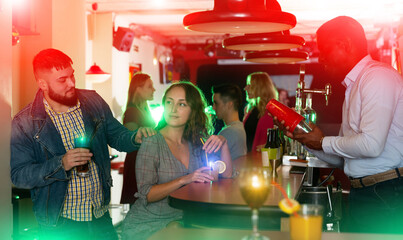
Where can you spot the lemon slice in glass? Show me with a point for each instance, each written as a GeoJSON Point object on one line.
{"type": "Point", "coordinates": [290, 206]}
{"type": "Point", "coordinates": [220, 166]}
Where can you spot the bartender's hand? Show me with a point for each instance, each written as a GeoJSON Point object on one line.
{"type": "Point", "coordinates": [313, 139]}
{"type": "Point", "coordinates": [283, 128]}
{"type": "Point", "coordinates": [75, 157]}
{"type": "Point", "coordinates": [214, 143]}
{"type": "Point", "coordinates": [144, 132]}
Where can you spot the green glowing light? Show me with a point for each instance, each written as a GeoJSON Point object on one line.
{"type": "Point", "coordinates": [313, 118]}
{"type": "Point", "coordinates": [17, 197]}
{"type": "Point", "coordinates": [81, 142]}
{"type": "Point", "coordinates": [289, 190]}
{"type": "Point", "coordinates": [209, 110]}
{"type": "Point", "coordinates": [156, 112]}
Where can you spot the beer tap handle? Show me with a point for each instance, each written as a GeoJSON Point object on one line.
{"type": "Point", "coordinates": [328, 91]}
{"type": "Point", "coordinates": [300, 88]}
{"type": "Point", "coordinates": [301, 83]}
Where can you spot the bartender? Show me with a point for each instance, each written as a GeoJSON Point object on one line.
{"type": "Point", "coordinates": [370, 143]}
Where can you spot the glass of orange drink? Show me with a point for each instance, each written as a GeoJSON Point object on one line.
{"type": "Point", "coordinates": [307, 224]}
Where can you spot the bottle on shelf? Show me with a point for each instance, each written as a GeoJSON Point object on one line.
{"type": "Point", "coordinates": [283, 143]}
{"type": "Point", "coordinates": [310, 113]}
{"type": "Point", "coordinates": [271, 153]}
{"type": "Point", "coordinates": [300, 151]}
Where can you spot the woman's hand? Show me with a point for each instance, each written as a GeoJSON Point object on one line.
{"type": "Point", "coordinates": [214, 143]}
{"type": "Point", "coordinates": [218, 142]}
{"type": "Point", "coordinates": [259, 147]}
{"type": "Point", "coordinates": [198, 176]}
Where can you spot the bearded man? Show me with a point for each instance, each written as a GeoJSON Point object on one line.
{"type": "Point", "coordinates": [44, 158]}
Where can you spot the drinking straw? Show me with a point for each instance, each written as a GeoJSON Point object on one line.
{"type": "Point", "coordinates": [282, 190]}
{"type": "Point", "coordinates": [201, 139]}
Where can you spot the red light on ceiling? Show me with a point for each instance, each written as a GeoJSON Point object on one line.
{"type": "Point", "coordinates": [94, 6]}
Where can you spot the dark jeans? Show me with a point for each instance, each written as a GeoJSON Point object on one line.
{"type": "Point", "coordinates": [377, 208]}
{"type": "Point", "coordinates": [98, 228]}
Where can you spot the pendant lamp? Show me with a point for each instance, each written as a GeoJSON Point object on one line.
{"type": "Point", "coordinates": [241, 16]}
{"type": "Point", "coordinates": [95, 73]}
{"type": "Point", "coordinates": [264, 41]}
{"type": "Point", "coordinates": [281, 56]}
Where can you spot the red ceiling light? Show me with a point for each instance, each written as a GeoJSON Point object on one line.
{"type": "Point", "coordinates": [96, 75]}
{"type": "Point", "coordinates": [241, 16]}
{"type": "Point", "coordinates": [264, 41]}
{"type": "Point", "coordinates": [283, 56]}
{"type": "Point", "coordinates": [95, 69]}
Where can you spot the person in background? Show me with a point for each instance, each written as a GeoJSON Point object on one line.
{"type": "Point", "coordinates": [283, 97]}
{"type": "Point", "coordinates": [44, 158]}
{"type": "Point", "coordinates": [259, 91]}
{"type": "Point", "coordinates": [226, 102]}
{"type": "Point", "coordinates": [137, 114]}
{"type": "Point", "coordinates": [171, 159]}
{"type": "Point", "coordinates": [370, 143]}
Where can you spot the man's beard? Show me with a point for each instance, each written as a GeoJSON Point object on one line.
{"type": "Point", "coordinates": [68, 101]}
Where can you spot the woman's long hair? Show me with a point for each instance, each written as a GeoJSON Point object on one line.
{"type": "Point", "coordinates": [263, 89]}
{"type": "Point", "coordinates": [138, 80]}
{"type": "Point", "coordinates": [199, 124]}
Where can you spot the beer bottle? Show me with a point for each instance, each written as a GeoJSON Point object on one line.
{"type": "Point", "coordinates": [310, 114]}
{"type": "Point", "coordinates": [271, 153]}
{"type": "Point", "coordinates": [299, 149]}
{"type": "Point", "coordinates": [283, 144]}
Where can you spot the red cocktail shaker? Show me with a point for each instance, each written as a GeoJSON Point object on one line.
{"type": "Point", "coordinates": [291, 118]}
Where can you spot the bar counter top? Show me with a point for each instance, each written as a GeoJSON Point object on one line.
{"type": "Point", "coordinates": [178, 233]}
{"type": "Point", "coordinates": [220, 204]}
{"type": "Point", "coordinates": [226, 191]}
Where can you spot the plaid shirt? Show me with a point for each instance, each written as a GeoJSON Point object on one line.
{"type": "Point", "coordinates": [84, 194]}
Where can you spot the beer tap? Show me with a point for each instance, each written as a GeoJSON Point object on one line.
{"type": "Point", "coordinates": [327, 91]}
{"type": "Point", "coordinates": [301, 90]}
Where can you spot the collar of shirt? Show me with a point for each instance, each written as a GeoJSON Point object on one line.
{"type": "Point", "coordinates": [233, 123]}
{"type": "Point", "coordinates": [71, 109]}
{"type": "Point", "coordinates": [353, 74]}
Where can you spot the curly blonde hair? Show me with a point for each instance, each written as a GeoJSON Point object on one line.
{"type": "Point", "coordinates": [263, 90]}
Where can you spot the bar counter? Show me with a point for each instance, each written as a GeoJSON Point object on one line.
{"type": "Point", "coordinates": [220, 204]}
{"type": "Point", "coordinates": [178, 233]}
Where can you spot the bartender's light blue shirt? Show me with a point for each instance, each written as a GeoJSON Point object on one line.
{"type": "Point", "coordinates": [371, 135]}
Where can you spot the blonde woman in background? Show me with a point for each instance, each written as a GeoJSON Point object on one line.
{"type": "Point", "coordinates": [259, 91]}
{"type": "Point", "coordinates": [137, 114]}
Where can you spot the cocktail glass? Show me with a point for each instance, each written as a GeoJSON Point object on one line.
{"type": "Point", "coordinates": [255, 185]}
